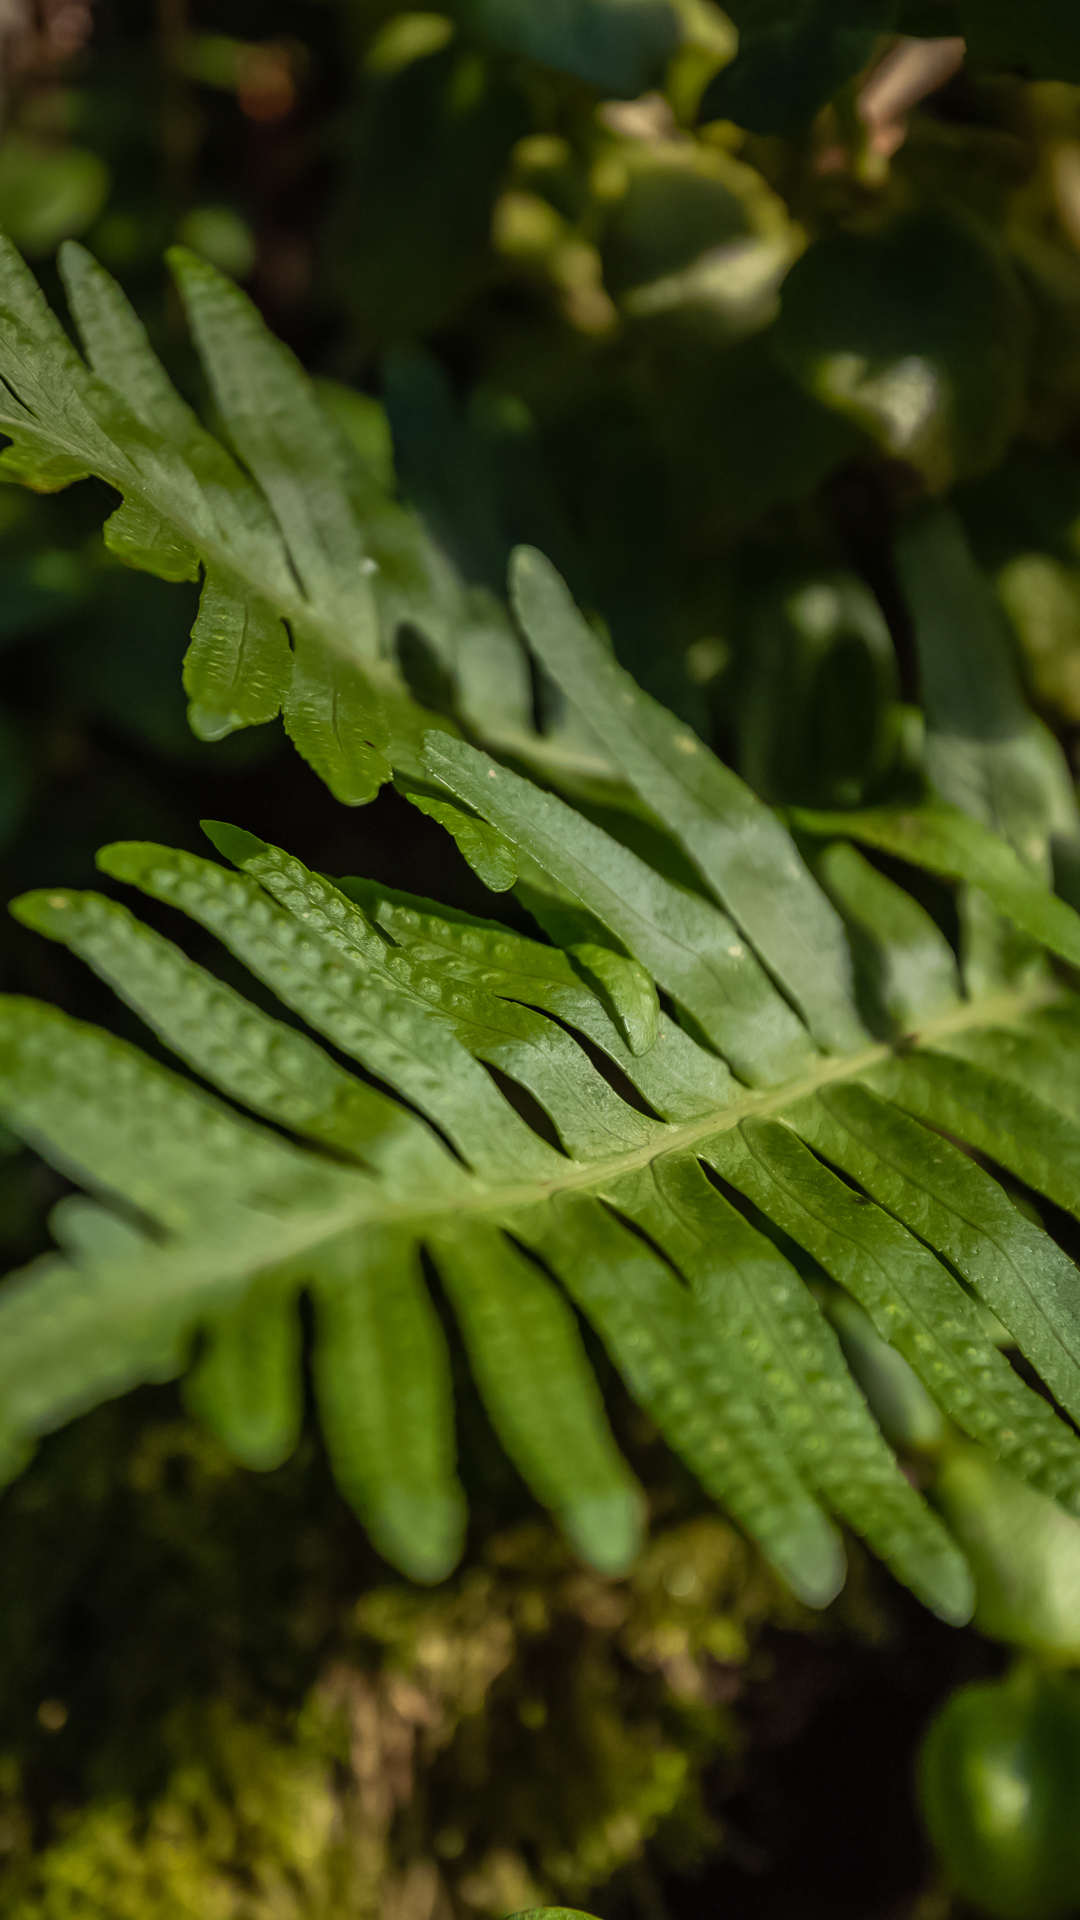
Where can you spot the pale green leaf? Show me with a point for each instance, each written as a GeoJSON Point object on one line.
{"type": "Point", "coordinates": [238, 668]}
{"type": "Point", "coordinates": [690, 948]}
{"type": "Point", "coordinates": [913, 1302]}
{"type": "Point", "coordinates": [382, 1376]}
{"type": "Point", "coordinates": [278, 428]}
{"type": "Point", "coordinates": [950, 843]}
{"type": "Point", "coordinates": [735, 841]}
{"type": "Point", "coordinates": [540, 1392]}
{"type": "Point", "coordinates": [247, 1386]}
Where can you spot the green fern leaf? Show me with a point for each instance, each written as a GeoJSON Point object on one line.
{"type": "Point", "coordinates": [737, 844]}
{"type": "Point", "coordinates": [949, 1202]}
{"type": "Point", "coordinates": [690, 948]}
{"type": "Point", "coordinates": [382, 1375]}
{"type": "Point", "coordinates": [529, 1364]}
{"type": "Point", "coordinates": [312, 571]}
{"type": "Point", "coordinates": [735, 1077]}
{"type": "Point", "coordinates": [281, 434]}
{"type": "Point", "coordinates": [907, 966]}
{"type": "Point", "coordinates": [952, 844]}
{"type": "Point", "coordinates": [247, 1385]}
{"type": "Point", "coordinates": [696, 1189]}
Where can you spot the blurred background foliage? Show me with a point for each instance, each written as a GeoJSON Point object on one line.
{"type": "Point", "coordinates": [696, 321]}
{"type": "Point", "coordinates": [701, 303]}
{"type": "Point", "coordinates": [698, 359]}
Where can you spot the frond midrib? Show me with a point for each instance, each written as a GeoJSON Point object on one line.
{"type": "Point", "coordinates": [477, 1198]}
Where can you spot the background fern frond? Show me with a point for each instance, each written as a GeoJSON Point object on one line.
{"type": "Point", "coordinates": [315, 579]}
{"type": "Point", "coordinates": [532, 1125]}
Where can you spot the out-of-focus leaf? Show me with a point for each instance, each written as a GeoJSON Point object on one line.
{"type": "Point", "coordinates": [365, 426]}
{"type": "Point", "coordinates": [903, 962]}
{"type": "Point", "coordinates": [48, 193]}
{"type": "Point", "coordinates": [897, 1398]}
{"type": "Point", "coordinates": [695, 227]}
{"type": "Point", "coordinates": [791, 61]}
{"type": "Point", "coordinates": [986, 752]}
{"type": "Point", "coordinates": [222, 236]}
{"type": "Point", "coordinates": [118, 679]}
{"type": "Point", "coordinates": [1024, 526]}
{"type": "Point", "coordinates": [1041, 39]}
{"type": "Point", "coordinates": [1023, 1550]}
{"type": "Point", "coordinates": [824, 640]}
{"type": "Point", "coordinates": [410, 239]}
{"type": "Point", "coordinates": [921, 334]}
{"type": "Point", "coordinates": [473, 471]}
{"type": "Point", "coordinates": [618, 45]}
{"type": "Point", "coordinates": [1041, 596]}
{"type": "Point", "coordinates": [39, 583]}
{"type": "Point", "coordinates": [741, 431]}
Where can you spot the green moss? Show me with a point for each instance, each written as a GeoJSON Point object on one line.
{"type": "Point", "coordinates": [214, 1706]}
{"type": "Point", "coordinates": [245, 1827]}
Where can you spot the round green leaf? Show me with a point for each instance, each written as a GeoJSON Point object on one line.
{"type": "Point", "coordinates": [619, 45]}
{"type": "Point", "coordinates": [47, 194]}
{"type": "Point", "coordinates": [998, 1781]}
{"type": "Point", "coordinates": [920, 334]}
{"type": "Point", "coordinates": [1023, 1549]}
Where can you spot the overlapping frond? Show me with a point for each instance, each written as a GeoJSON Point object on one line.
{"type": "Point", "coordinates": [310, 568]}
{"type": "Point", "coordinates": [756, 1091]}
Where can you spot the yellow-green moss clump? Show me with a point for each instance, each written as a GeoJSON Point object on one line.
{"type": "Point", "coordinates": [520, 1735]}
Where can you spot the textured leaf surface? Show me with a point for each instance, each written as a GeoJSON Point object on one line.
{"type": "Point", "coordinates": [951, 843]}
{"type": "Point", "coordinates": [316, 581]}
{"type": "Point", "coordinates": [719, 1128]}
{"type": "Point", "coordinates": [696, 1392]}
{"type": "Point", "coordinates": [691, 949]}
{"type": "Point", "coordinates": [530, 1366]}
{"type": "Point", "coordinates": [913, 1302]}
{"type": "Point", "coordinates": [735, 841]}
{"type": "Point", "coordinates": [383, 1380]}
{"type": "Point", "coordinates": [948, 1201]}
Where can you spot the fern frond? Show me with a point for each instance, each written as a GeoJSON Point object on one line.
{"type": "Point", "coordinates": [309, 566]}
{"type": "Point", "coordinates": [755, 1090]}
